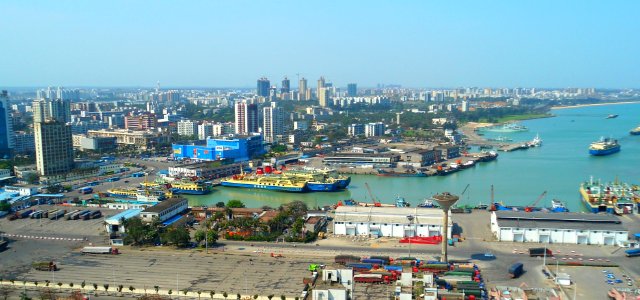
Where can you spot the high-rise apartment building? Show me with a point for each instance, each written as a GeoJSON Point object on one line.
{"type": "Point", "coordinates": [143, 121]}
{"type": "Point", "coordinates": [6, 126]}
{"type": "Point", "coordinates": [273, 122]}
{"type": "Point", "coordinates": [54, 147]}
{"type": "Point", "coordinates": [205, 130]}
{"type": "Point", "coordinates": [286, 86]}
{"type": "Point", "coordinates": [355, 129]}
{"type": "Point", "coordinates": [352, 90]}
{"type": "Point", "coordinates": [187, 128]}
{"type": "Point", "coordinates": [56, 109]}
{"type": "Point", "coordinates": [324, 96]}
{"type": "Point", "coordinates": [321, 84]}
{"type": "Point", "coordinates": [263, 87]}
{"type": "Point", "coordinates": [246, 117]}
{"type": "Point", "coordinates": [302, 90]}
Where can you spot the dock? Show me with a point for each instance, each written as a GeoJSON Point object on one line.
{"type": "Point", "coordinates": [513, 147]}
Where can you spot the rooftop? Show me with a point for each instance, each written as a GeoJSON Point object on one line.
{"type": "Point", "coordinates": [164, 205]}
{"type": "Point", "coordinates": [575, 221]}
{"type": "Point", "coordinates": [389, 215]}
{"type": "Point", "coordinates": [127, 214]}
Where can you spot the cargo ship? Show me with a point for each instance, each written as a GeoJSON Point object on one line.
{"type": "Point", "coordinates": [190, 187]}
{"type": "Point", "coordinates": [635, 131]}
{"type": "Point", "coordinates": [603, 147]}
{"type": "Point", "coordinates": [267, 182]}
{"type": "Point", "coordinates": [408, 173]}
{"type": "Point", "coordinates": [613, 197]}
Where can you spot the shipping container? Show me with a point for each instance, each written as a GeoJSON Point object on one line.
{"type": "Point", "coordinates": [632, 252]}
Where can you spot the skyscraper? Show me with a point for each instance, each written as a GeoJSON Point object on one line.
{"type": "Point", "coordinates": [273, 122]}
{"type": "Point", "coordinates": [302, 89]}
{"type": "Point", "coordinates": [6, 128]}
{"type": "Point", "coordinates": [263, 87]}
{"type": "Point", "coordinates": [286, 86]}
{"type": "Point", "coordinates": [246, 117]}
{"type": "Point", "coordinates": [352, 90]}
{"type": "Point", "coordinates": [324, 96]}
{"type": "Point", "coordinates": [58, 109]}
{"type": "Point", "coordinates": [54, 147]}
{"type": "Point", "coordinates": [321, 85]}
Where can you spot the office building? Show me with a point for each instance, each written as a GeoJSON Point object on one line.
{"type": "Point", "coordinates": [7, 142]}
{"type": "Point", "coordinates": [273, 122]}
{"type": "Point", "coordinates": [143, 140]}
{"type": "Point", "coordinates": [144, 121]}
{"type": "Point", "coordinates": [24, 143]}
{"type": "Point", "coordinates": [300, 125]}
{"type": "Point", "coordinates": [240, 148]}
{"type": "Point", "coordinates": [54, 147]}
{"type": "Point", "coordinates": [302, 90]}
{"type": "Point", "coordinates": [246, 117]}
{"type": "Point", "coordinates": [374, 129]}
{"type": "Point", "coordinates": [99, 144]}
{"type": "Point", "coordinates": [286, 87]}
{"type": "Point", "coordinates": [187, 128]}
{"type": "Point", "coordinates": [355, 129]}
{"type": "Point", "coordinates": [321, 84]}
{"type": "Point", "coordinates": [263, 87]}
{"type": "Point", "coordinates": [164, 210]}
{"type": "Point", "coordinates": [352, 90]}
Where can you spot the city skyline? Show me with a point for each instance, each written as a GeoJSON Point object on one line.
{"type": "Point", "coordinates": [202, 44]}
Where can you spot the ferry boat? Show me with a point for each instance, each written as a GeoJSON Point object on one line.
{"type": "Point", "coordinates": [615, 197]}
{"type": "Point", "coordinates": [316, 182]}
{"type": "Point", "coordinates": [603, 147]}
{"type": "Point", "coordinates": [189, 187]}
{"type": "Point", "coordinates": [126, 193]}
{"type": "Point", "coordinates": [268, 182]}
{"type": "Point", "coordinates": [341, 181]}
{"type": "Point", "coordinates": [408, 173]}
{"type": "Point", "coordinates": [635, 131]}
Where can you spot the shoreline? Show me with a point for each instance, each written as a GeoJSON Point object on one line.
{"type": "Point", "coordinates": [593, 104]}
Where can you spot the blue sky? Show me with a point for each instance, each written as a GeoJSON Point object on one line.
{"type": "Point", "coordinates": [232, 43]}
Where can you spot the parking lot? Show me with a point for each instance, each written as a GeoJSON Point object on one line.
{"type": "Point", "coordinates": [593, 282]}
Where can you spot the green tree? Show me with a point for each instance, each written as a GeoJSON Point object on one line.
{"type": "Point", "coordinates": [156, 288]}
{"type": "Point", "coordinates": [270, 296]}
{"type": "Point", "coordinates": [235, 204]}
{"type": "Point", "coordinates": [225, 295]}
{"type": "Point", "coordinates": [31, 178]}
{"type": "Point", "coordinates": [106, 287]}
{"type": "Point", "coordinates": [220, 204]}
{"type": "Point", "coordinates": [177, 236]}
{"type": "Point", "coordinates": [131, 288]}
{"type": "Point", "coordinates": [211, 293]}
{"type": "Point", "coordinates": [95, 286]}
{"type": "Point", "coordinates": [238, 296]}
{"type": "Point", "coordinates": [212, 236]}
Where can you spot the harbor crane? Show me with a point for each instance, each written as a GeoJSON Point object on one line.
{"type": "Point", "coordinates": [376, 203]}
{"type": "Point", "coordinates": [533, 206]}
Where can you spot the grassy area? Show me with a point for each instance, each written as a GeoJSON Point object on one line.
{"type": "Point", "coordinates": [512, 118]}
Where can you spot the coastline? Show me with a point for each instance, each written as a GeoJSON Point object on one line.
{"type": "Point", "coordinates": [593, 104]}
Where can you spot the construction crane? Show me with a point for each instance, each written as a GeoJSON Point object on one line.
{"type": "Point", "coordinates": [465, 189]}
{"type": "Point", "coordinates": [533, 206]}
{"type": "Point", "coordinates": [375, 202]}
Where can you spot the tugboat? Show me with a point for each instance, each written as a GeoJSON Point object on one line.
{"type": "Point", "coordinates": [428, 203]}
{"type": "Point", "coordinates": [603, 147]}
{"type": "Point", "coordinates": [558, 206]}
{"type": "Point", "coordinates": [536, 142]}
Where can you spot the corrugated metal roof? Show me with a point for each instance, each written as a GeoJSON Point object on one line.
{"type": "Point", "coordinates": [127, 214]}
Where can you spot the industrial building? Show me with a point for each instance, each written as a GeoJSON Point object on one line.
{"type": "Point", "coordinates": [561, 228]}
{"type": "Point", "coordinates": [388, 221]}
{"type": "Point", "coordinates": [384, 160]}
{"type": "Point", "coordinates": [236, 148]}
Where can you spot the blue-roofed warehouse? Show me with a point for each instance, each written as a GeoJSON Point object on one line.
{"type": "Point", "coordinates": [114, 223]}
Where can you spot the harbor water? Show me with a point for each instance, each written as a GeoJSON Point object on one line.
{"type": "Point", "coordinates": [518, 177]}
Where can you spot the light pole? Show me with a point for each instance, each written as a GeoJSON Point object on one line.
{"type": "Point", "coordinates": [410, 218]}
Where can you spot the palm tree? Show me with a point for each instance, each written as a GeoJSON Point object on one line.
{"type": "Point", "coordinates": [106, 287]}
{"type": "Point", "coordinates": [156, 288]}
{"type": "Point", "coordinates": [283, 297]}
{"type": "Point", "coordinates": [95, 286]}
{"type": "Point", "coordinates": [131, 288]}
{"type": "Point", "coordinates": [269, 297]}
{"type": "Point", "coordinates": [225, 295]}
{"type": "Point", "coordinates": [82, 285]}
{"type": "Point", "coordinates": [211, 294]}
{"type": "Point", "coordinates": [199, 292]}
{"type": "Point", "coordinates": [238, 296]}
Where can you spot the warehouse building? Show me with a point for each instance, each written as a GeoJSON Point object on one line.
{"type": "Point", "coordinates": [388, 221]}
{"type": "Point", "coordinates": [561, 228]}
{"type": "Point", "coordinates": [165, 209]}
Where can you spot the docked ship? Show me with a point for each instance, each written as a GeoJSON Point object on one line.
{"type": "Point", "coordinates": [603, 147]}
{"type": "Point", "coordinates": [123, 193]}
{"type": "Point", "coordinates": [536, 142]}
{"type": "Point", "coordinates": [509, 127]}
{"type": "Point", "coordinates": [558, 206]}
{"type": "Point", "coordinates": [408, 173]}
{"type": "Point", "coordinates": [635, 131]}
{"type": "Point", "coordinates": [190, 187]}
{"type": "Point", "coordinates": [614, 197]}
{"type": "Point", "coordinates": [321, 180]}
{"type": "Point", "coordinates": [281, 183]}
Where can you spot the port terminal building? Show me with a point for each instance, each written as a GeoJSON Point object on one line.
{"type": "Point", "coordinates": [389, 221]}
{"type": "Point", "coordinates": [232, 147]}
{"type": "Point", "coordinates": [560, 228]}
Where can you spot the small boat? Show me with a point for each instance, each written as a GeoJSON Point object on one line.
{"type": "Point", "coordinates": [468, 164]}
{"type": "Point", "coordinates": [612, 116]}
{"type": "Point", "coordinates": [558, 206]}
{"type": "Point", "coordinates": [536, 142]}
{"type": "Point", "coordinates": [428, 203]}
{"type": "Point", "coordinates": [635, 131]}
{"type": "Point", "coordinates": [400, 202]}
{"type": "Point", "coordinates": [603, 147]}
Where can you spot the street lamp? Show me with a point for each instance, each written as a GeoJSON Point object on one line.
{"type": "Point", "coordinates": [410, 218]}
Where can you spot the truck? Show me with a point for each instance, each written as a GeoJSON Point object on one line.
{"type": "Point", "coordinates": [58, 214]}
{"type": "Point", "coordinates": [100, 250]}
{"type": "Point", "coordinates": [82, 215]}
{"type": "Point", "coordinates": [45, 266]}
{"type": "Point", "coordinates": [632, 252]}
{"type": "Point", "coordinates": [371, 278]}
{"type": "Point", "coordinates": [516, 270]}
{"type": "Point", "coordinates": [533, 252]}
{"type": "Point", "coordinates": [345, 259]}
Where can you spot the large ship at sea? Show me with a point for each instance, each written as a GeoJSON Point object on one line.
{"type": "Point", "coordinates": [612, 197]}
{"type": "Point", "coordinates": [272, 182]}
{"type": "Point", "coordinates": [604, 146]}
{"type": "Point", "coordinates": [635, 131]}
